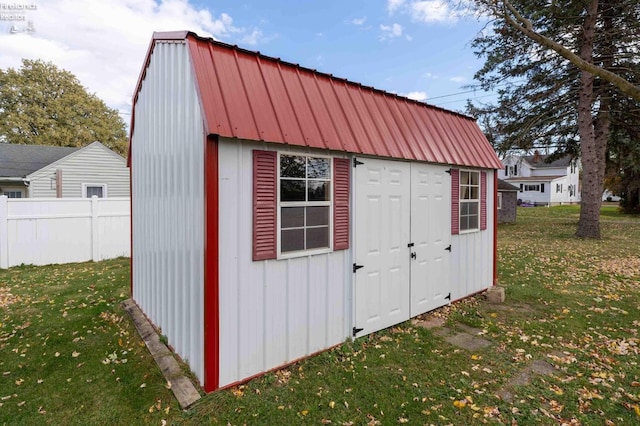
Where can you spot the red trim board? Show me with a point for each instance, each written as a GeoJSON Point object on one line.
{"type": "Point", "coordinates": [211, 276]}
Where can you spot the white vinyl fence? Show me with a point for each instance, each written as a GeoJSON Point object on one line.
{"type": "Point", "coordinates": [41, 231]}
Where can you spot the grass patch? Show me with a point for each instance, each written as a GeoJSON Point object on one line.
{"type": "Point", "coordinates": [68, 352]}
{"type": "Point", "coordinates": [572, 303]}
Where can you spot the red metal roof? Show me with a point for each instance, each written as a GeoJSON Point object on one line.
{"type": "Point", "coordinates": [247, 95]}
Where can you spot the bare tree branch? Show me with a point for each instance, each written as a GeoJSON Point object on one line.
{"type": "Point", "coordinates": [522, 24]}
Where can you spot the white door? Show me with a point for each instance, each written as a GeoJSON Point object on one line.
{"type": "Point", "coordinates": [381, 229]}
{"type": "Point", "coordinates": [430, 236]}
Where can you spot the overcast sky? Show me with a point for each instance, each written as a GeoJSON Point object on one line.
{"type": "Point", "coordinates": [418, 49]}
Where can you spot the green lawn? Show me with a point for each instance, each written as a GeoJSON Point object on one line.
{"type": "Point", "coordinates": [69, 355]}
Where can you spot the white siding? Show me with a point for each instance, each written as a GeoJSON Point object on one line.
{"type": "Point", "coordinates": [168, 202]}
{"type": "Point", "coordinates": [550, 171]}
{"type": "Point", "coordinates": [275, 311]}
{"type": "Point", "coordinates": [472, 255]}
{"type": "Point", "coordinates": [94, 164]}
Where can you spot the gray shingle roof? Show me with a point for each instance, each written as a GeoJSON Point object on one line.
{"type": "Point", "coordinates": [21, 160]}
{"type": "Point", "coordinates": [541, 161]}
{"type": "Point", "coordinates": [506, 186]}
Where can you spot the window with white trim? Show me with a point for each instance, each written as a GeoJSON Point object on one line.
{"type": "Point", "coordinates": [532, 188]}
{"type": "Point", "coordinates": [499, 200]}
{"type": "Point", "coordinates": [304, 204]}
{"type": "Point", "coordinates": [91, 189]}
{"type": "Point", "coordinates": [469, 200]}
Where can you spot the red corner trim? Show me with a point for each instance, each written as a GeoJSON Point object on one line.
{"type": "Point", "coordinates": [211, 275]}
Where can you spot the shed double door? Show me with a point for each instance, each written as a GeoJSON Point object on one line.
{"type": "Point", "coordinates": [401, 234]}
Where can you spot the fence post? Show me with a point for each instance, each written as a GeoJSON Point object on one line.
{"type": "Point", "coordinates": [4, 232]}
{"type": "Point", "coordinates": [95, 229]}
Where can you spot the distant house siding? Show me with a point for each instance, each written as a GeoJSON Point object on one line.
{"type": "Point", "coordinates": [93, 165]}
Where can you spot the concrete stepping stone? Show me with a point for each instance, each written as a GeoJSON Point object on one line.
{"type": "Point", "coordinates": [523, 378]}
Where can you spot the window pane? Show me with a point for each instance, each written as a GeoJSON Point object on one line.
{"type": "Point", "coordinates": [474, 178]}
{"type": "Point", "coordinates": [292, 217]}
{"type": "Point", "coordinates": [292, 166]}
{"type": "Point", "coordinates": [292, 239]}
{"type": "Point", "coordinates": [473, 222]}
{"type": "Point", "coordinates": [317, 237]}
{"type": "Point", "coordinates": [317, 216]}
{"type": "Point", "coordinates": [318, 168]}
{"type": "Point", "coordinates": [473, 195]}
{"type": "Point", "coordinates": [464, 178]}
{"type": "Point", "coordinates": [473, 208]}
{"type": "Point", "coordinates": [464, 209]}
{"type": "Point", "coordinates": [464, 192]}
{"type": "Point", "coordinates": [318, 191]}
{"type": "Point", "coordinates": [292, 190]}
{"type": "Point", "coordinates": [94, 190]}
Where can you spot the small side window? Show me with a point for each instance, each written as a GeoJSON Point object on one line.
{"type": "Point", "coordinates": [91, 189]}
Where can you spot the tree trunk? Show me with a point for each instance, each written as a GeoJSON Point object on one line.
{"type": "Point", "coordinates": [592, 148]}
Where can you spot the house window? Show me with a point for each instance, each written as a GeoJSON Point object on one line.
{"type": "Point", "coordinates": [499, 200]}
{"type": "Point", "coordinates": [91, 189]}
{"type": "Point", "coordinates": [535, 187]}
{"type": "Point", "coordinates": [558, 187]}
{"type": "Point", "coordinates": [469, 200]}
{"type": "Point", "coordinates": [511, 170]}
{"type": "Point", "coordinates": [13, 194]}
{"type": "Point", "coordinates": [304, 203]}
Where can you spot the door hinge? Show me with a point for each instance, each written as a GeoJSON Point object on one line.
{"type": "Point", "coordinates": [448, 248]}
{"type": "Point", "coordinates": [410, 245]}
{"type": "Point", "coordinates": [413, 254]}
{"type": "Point", "coordinates": [448, 171]}
{"type": "Point", "coordinates": [356, 267]}
{"type": "Point", "coordinates": [356, 331]}
{"type": "Point", "coordinates": [448, 297]}
{"type": "Point", "coordinates": [356, 162]}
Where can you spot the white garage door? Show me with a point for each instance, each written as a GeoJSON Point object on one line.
{"type": "Point", "coordinates": [401, 233]}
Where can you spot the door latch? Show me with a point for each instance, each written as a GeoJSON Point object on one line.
{"type": "Point", "coordinates": [448, 248]}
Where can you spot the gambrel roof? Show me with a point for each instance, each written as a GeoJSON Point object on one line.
{"type": "Point", "coordinates": [247, 95]}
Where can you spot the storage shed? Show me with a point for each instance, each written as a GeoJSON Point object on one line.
{"type": "Point", "coordinates": [507, 202]}
{"type": "Point", "coordinates": [278, 211]}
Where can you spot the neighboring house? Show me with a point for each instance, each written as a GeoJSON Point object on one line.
{"type": "Point", "coordinates": [507, 202]}
{"type": "Point", "coordinates": [541, 182]}
{"type": "Point", "coordinates": [278, 211]}
{"type": "Point", "coordinates": [37, 171]}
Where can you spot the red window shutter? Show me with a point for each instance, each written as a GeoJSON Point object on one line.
{"type": "Point", "coordinates": [455, 201]}
{"type": "Point", "coordinates": [341, 184]}
{"type": "Point", "coordinates": [265, 204]}
{"type": "Point", "coordinates": [483, 200]}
